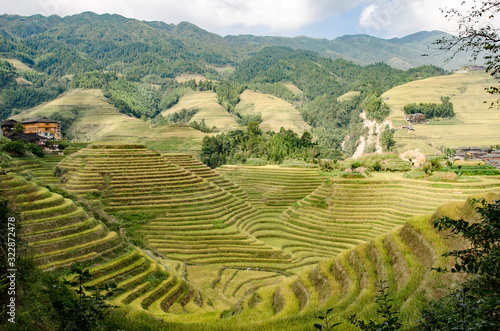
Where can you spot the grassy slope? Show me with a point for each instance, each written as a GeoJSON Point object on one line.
{"type": "Point", "coordinates": [344, 280]}
{"type": "Point", "coordinates": [18, 64]}
{"type": "Point", "coordinates": [276, 113]}
{"type": "Point", "coordinates": [475, 123]}
{"type": "Point", "coordinates": [209, 110]}
{"type": "Point", "coordinates": [100, 121]}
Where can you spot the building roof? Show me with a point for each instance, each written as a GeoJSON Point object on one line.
{"type": "Point", "coordinates": [39, 119]}
{"type": "Point", "coordinates": [9, 123]}
{"type": "Point", "coordinates": [26, 137]}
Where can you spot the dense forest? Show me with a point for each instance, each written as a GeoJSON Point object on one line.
{"type": "Point", "coordinates": [237, 146]}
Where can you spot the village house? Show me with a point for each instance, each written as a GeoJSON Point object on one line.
{"type": "Point", "coordinates": [28, 138]}
{"type": "Point", "coordinates": [479, 154]}
{"type": "Point", "coordinates": [8, 127]}
{"type": "Point", "coordinates": [43, 126]}
{"type": "Point", "coordinates": [416, 118]}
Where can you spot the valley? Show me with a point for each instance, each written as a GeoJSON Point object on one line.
{"type": "Point", "coordinates": [238, 182]}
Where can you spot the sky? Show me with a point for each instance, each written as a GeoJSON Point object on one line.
{"type": "Point", "coordinates": [289, 18]}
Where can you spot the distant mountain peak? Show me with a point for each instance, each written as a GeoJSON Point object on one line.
{"type": "Point", "coordinates": [418, 36]}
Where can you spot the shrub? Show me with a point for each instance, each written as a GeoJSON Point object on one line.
{"type": "Point", "coordinates": [17, 148]}
{"type": "Point", "coordinates": [474, 306]}
{"type": "Point", "coordinates": [86, 309]}
{"type": "Point", "coordinates": [390, 318]}
{"type": "Point", "coordinates": [59, 171]}
{"type": "Point", "coordinates": [35, 149]}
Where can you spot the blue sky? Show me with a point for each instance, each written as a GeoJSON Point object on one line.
{"type": "Point", "coordinates": [312, 18]}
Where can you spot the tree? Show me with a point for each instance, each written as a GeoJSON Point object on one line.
{"type": "Point", "coordinates": [86, 309]}
{"type": "Point", "coordinates": [476, 34]}
{"type": "Point", "coordinates": [476, 304]}
{"type": "Point", "coordinates": [387, 139]}
{"type": "Point", "coordinates": [19, 128]}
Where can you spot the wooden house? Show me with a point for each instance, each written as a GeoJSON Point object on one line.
{"type": "Point", "coordinates": [416, 118]}
{"type": "Point", "coordinates": [43, 126]}
{"type": "Point", "coordinates": [8, 127]}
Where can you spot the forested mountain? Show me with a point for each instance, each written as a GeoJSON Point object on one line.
{"type": "Point", "coordinates": [135, 63]}
{"type": "Point", "coordinates": [402, 53]}
{"type": "Point", "coordinates": [323, 80]}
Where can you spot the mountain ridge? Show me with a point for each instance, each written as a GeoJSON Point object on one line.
{"type": "Point", "coordinates": [402, 53]}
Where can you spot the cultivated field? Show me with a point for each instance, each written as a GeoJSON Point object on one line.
{"type": "Point", "coordinates": [261, 247]}
{"type": "Point", "coordinates": [475, 124]}
{"type": "Point", "coordinates": [100, 121]}
{"type": "Point", "coordinates": [276, 112]}
{"type": "Point", "coordinates": [208, 109]}
{"type": "Point", "coordinates": [61, 233]}
{"type": "Point", "coordinates": [348, 95]}
{"type": "Point", "coordinates": [18, 64]}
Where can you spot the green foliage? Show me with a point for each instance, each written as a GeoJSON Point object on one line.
{"type": "Point", "coordinates": [7, 73]}
{"type": "Point", "coordinates": [184, 116]}
{"type": "Point", "coordinates": [59, 171]}
{"type": "Point", "coordinates": [378, 162]}
{"type": "Point", "coordinates": [483, 257]}
{"type": "Point", "coordinates": [479, 170]}
{"type": "Point", "coordinates": [237, 146]}
{"type": "Point", "coordinates": [376, 109]}
{"type": "Point", "coordinates": [86, 309]}
{"type": "Point", "coordinates": [16, 148]}
{"type": "Point", "coordinates": [474, 306]}
{"type": "Point", "coordinates": [431, 110]}
{"type": "Point", "coordinates": [276, 89]}
{"type": "Point", "coordinates": [387, 139]}
{"type": "Point", "coordinates": [389, 315]}
{"type": "Point", "coordinates": [93, 79]}
{"type": "Point", "coordinates": [228, 94]}
{"type": "Point", "coordinates": [19, 127]}
{"type": "Point", "coordinates": [35, 149]}
{"type": "Point", "coordinates": [133, 98]}
{"type": "Point", "coordinates": [202, 126]}
{"type": "Point", "coordinates": [326, 320]}
{"type": "Point", "coordinates": [246, 119]}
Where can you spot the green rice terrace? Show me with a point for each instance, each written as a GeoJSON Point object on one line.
{"type": "Point", "coordinates": [238, 247]}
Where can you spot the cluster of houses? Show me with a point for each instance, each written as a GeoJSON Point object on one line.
{"type": "Point", "coordinates": [490, 157]}
{"type": "Point", "coordinates": [36, 130]}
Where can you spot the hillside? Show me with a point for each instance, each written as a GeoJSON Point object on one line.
{"type": "Point", "coordinates": [475, 124]}
{"type": "Point", "coordinates": [92, 118]}
{"type": "Point", "coordinates": [208, 110]}
{"type": "Point", "coordinates": [402, 53]}
{"type": "Point", "coordinates": [276, 113]}
{"type": "Point", "coordinates": [256, 243]}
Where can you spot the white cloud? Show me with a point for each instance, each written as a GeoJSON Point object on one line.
{"type": "Point", "coordinates": [385, 18]}
{"type": "Point", "coordinates": [396, 18]}
{"type": "Point", "coordinates": [273, 15]}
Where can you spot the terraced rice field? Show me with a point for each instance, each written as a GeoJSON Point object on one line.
{"type": "Point", "coordinates": [402, 258]}
{"type": "Point", "coordinates": [100, 121]}
{"type": "Point", "coordinates": [343, 213]}
{"type": "Point", "coordinates": [271, 189]}
{"type": "Point", "coordinates": [276, 112]}
{"type": "Point", "coordinates": [208, 109]}
{"type": "Point", "coordinates": [194, 216]}
{"type": "Point", "coordinates": [475, 124]}
{"type": "Point", "coordinates": [268, 245]}
{"type": "Point", "coordinates": [60, 232]}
